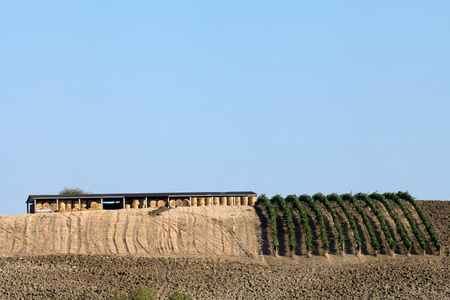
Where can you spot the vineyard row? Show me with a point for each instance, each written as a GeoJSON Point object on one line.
{"type": "Point", "coordinates": [369, 223]}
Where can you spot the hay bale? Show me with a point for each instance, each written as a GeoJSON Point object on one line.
{"type": "Point", "coordinates": [135, 203]}
{"type": "Point", "coordinates": [68, 205]}
{"type": "Point", "coordinates": [46, 205]}
{"type": "Point", "coordinates": [76, 206]}
{"type": "Point", "coordinates": [208, 201]}
{"type": "Point", "coordinates": [172, 203]}
{"type": "Point", "coordinates": [54, 207]}
{"type": "Point", "coordinates": [230, 201]}
{"type": "Point", "coordinates": [162, 203]}
{"type": "Point", "coordinates": [216, 201]}
{"type": "Point", "coordinates": [223, 201]}
{"type": "Point", "coordinates": [201, 201]}
{"type": "Point", "coordinates": [127, 206]}
{"type": "Point", "coordinates": [252, 200]}
{"type": "Point", "coordinates": [244, 201]}
{"type": "Point", "coordinates": [179, 202]}
{"type": "Point", "coordinates": [153, 204]}
{"type": "Point", "coordinates": [142, 203]}
{"type": "Point", "coordinates": [93, 204]}
{"type": "Point", "coordinates": [186, 202]}
{"type": "Point", "coordinates": [62, 206]}
{"type": "Point", "coordinates": [38, 204]}
{"type": "Point", "coordinates": [194, 201]}
{"type": "Point", "coordinates": [238, 201]}
{"type": "Point", "coordinates": [83, 205]}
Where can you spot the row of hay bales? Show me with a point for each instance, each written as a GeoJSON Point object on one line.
{"type": "Point", "coordinates": [69, 205]}
{"type": "Point", "coordinates": [135, 204]}
{"type": "Point", "coordinates": [224, 201]}
{"type": "Point", "coordinates": [74, 205]}
{"type": "Point", "coordinates": [196, 201]}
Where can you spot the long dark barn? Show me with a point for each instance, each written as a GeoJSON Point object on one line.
{"type": "Point", "coordinates": [84, 202]}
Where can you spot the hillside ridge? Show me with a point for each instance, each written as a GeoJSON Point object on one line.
{"type": "Point", "coordinates": [200, 231]}
{"type": "Point", "coordinates": [184, 231]}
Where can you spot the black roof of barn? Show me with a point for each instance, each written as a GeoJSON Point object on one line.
{"type": "Point", "coordinates": [31, 198]}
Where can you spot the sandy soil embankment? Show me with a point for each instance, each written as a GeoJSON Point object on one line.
{"type": "Point", "coordinates": [184, 231]}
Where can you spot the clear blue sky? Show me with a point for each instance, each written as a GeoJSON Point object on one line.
{"type": "Point", "coordinates": [270, 96]}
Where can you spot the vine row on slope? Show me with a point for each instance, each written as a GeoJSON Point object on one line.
{"type": "Point", "coordinates": [262, 200]}
{"type": "Point", "coordinates": [410, 219]}
{"type": "Point", "coordinates": [288, 218]}
{"type": "Point", "coordinates": [434, 238]}
{"type": "Point", "coordinates": [398, 224]}
{"type": "Point", "coordinates": [304, 220]}
{"type": "Point", "coordinates": [363, 197]}
{"type": "Point", "coordinates": [373, 239]}
{"type": "Point", "coordinates": [320, 197]}
{"type": "Point", "coordinates": [284, 205]}
{"type": "Point", "coordinates": [335, 197]}
{"type": "Point", "coordinates": [319, 217]}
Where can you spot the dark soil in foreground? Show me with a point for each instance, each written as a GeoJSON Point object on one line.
{"type": "Point", "coordinates": [99, 277]}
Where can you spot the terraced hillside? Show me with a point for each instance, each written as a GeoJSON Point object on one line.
{"type": "Point", "coordinates": [347, 224]}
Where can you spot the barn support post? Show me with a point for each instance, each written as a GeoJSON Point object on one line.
{"type": "Point", "coordinates": [123, 202]}
{"type": "Point", "coordinates": [190, 201]}
{"type": "Point", "coordinates": [79, 204]}
{"type": "Point", "coordinates": [146, 205]}
{"type": "Point", "coordinates": [34, 205]}
{"type": "Point", "coordinates": [168, 202]}
{"type": "Point", "coordinates": [28, 208]}
{"type": "Point", "coordinates": [101, 203]}
{"type": "Point", "coordinates": [57, 205]}
{"type": "Point", "coordinates": [234, 201]}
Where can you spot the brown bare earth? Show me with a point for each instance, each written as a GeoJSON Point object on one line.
{"type": "Point", "coordinates": [208, 252]}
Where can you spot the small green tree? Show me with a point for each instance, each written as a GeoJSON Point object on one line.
{"type": "Point", "coordinates": [177, 295]}
{"type": "Point", "coordinates": [140, 293]}
{"type": "Point", "coordinates": [72, 191]}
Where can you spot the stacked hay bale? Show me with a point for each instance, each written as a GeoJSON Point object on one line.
{"type": "Point", "coordinates": [223, 201]}
{"type": "Point", "coordinates": [127, 206]}
{"type": "Point", "coordinates": [94, 205]}
{"type": "Point", "coordinates": [62, 206]}
{"type": "Point", "coordinates": [230, 201]}
{"type": "Point", "coordinates": [162, 203]}
{"type": "Point", "coordinates": [135, 203]}
{"type": "Point", "coordinates": [252, 200]}
{"type": "Point", "coordinates": [68, 205]}
{"type": "Point", "coordinates": [76, 206]}
{"type": "Point", "coordinates": [44, 206]}
{"type": "Point", "coordinates": [142, 203]}
{"type": "Point", "coordinates": [172, 203]}
{"type": "Point", "coordinates": [201, 201]}
{"type": "Point", "coordinates": [54, 207]}
{"type": "Point", "coordinates": [208, 201]}
{"type": "Point", "coordinates": [194, 201]}
{"type": "Point", "coordinates": [153, 204]}
{"type": "Point", "coordinates": [38, 205]}
{"type": "Point", "coordinates": [244, 201]}
{"type": "Point", "coordinates": [84, 205]}
{"type": "Point", "coordinates": [179, 203]}
{"type": "Point", "coordinates": [186, 202]}
{"type": "Point", "coordinates": [216, 201]}
{"type": "Point", "coordinates": [238, 201]}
